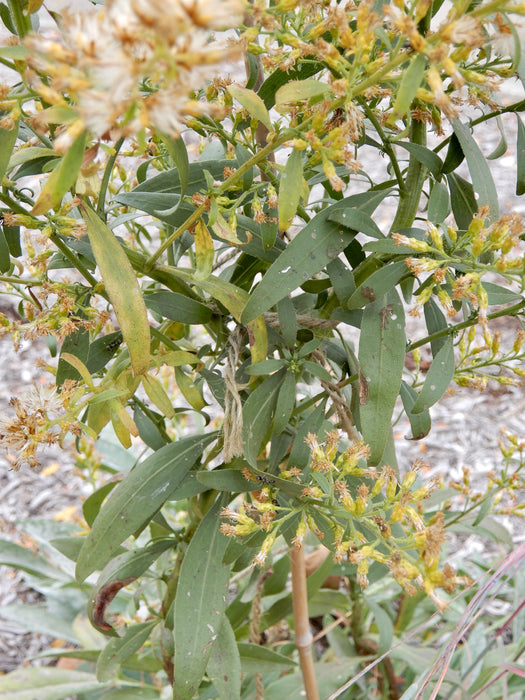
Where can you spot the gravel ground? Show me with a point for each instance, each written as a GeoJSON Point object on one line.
{"type": "Point", "coordinates": [465, 431]}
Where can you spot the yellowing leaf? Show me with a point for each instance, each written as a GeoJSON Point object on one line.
{"type": "Point", "coordinates": [296, 91]}
{"type": "Point", "coordinates": [204, 251]}
{"type": "Point", "coordinates": [122, 288]}
{"type": "Point", "coordinates": [290, 189]}
{"type": "Point", "coordinates": [62, 178]}
{"type": "Point", "coordinates": [157, 395]}
{"type": "Point", "coordinates": [252, 103]}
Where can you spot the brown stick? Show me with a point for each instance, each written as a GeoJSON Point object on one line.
{"type": "Point", "coordinates": [303, 635]}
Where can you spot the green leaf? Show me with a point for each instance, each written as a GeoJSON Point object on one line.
{"type": "Point", "coordinates": [290, 189]}
{"type": "Point", "coordinates": [357, 220]}
{"type": "Point", "coordinates": [438, 203]}
{"type": "Point", "coordinates": [381, 359]}
{"type": "Point", "coordinates": [384, 626]}
{"type": "Point", "coordinates": [257, 659]}
{"type": "Point", "coordinates": [500, 295]}
{"type": "Point", "coordinates": [117, 650]}
{"type": "Point", "coordinates": [25, 559]}
{"type": "Point", "coordinates": [271, 85]}
{"type": "Point", "coordinates": [297, 90]}
{"type": "Point", "coordinates": [257, 412]}
{"type": "Point", "coordinates": [5, 259]}
{"type": "Point", "coordinates": [46, 683]}
{"type": "Point", "coordinates": [420, 423]}
{"type": "Point", "coordinates": [285, 403]}
{"type": "Point", "coordinates": [436, 322]}
{"type": "Point", "coordinates": [463, 200]}
{"type": "Point", "coordinates": [101, 350]}
{"type": "Point", "coordinates": [252, 103]}
{"type": "Point", "coordinates": [319, 242]}
{"type": "Point", "coordinates": [76, 344]}
{"type": "Point", "coordinates": [230, 480]}
{"type": "Point", "coordinates": [263, 368]}
{"type": "Point", "coordinates": [224, 664]}
{"type": "Point", "coordinates": [438, 378]}
{"type": "Point", "coordinates": [142, 492]}
{"type": "Point", "coordinates": [93, 503]}
{"type": "Point", "coordinates": [178, 307]}
{"type": "Point", "coordinates": [410, 84]}
{"type": "Point", "coordinates": [502, 146]}
{"type": "Point", "coordinates": [179, 155]}
{"type": "Point", "coordinates": [520, 148]}
{"type": "Point", "coordinates": [454, 157]}
{"type": "Point", "coordinates": [199, 603]}
{"type": "Point", "coordinates": [377, 285]}
{"type": "Point", "coordinates": [62, 178]}
{"type": "Point", "coordinates": [7, 143]}
{"type": "Point", "coordinates": [425, 156]}
{"type": "Point", "coordinates": [12, 236]}
{"type": "Point", "coordinates": [479, 170]}
{"type": "Point", "coordinates": [36, 618]}
{"type": "Point", "coordinates": [122, 288]}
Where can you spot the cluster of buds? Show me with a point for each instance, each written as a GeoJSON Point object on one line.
{"type": "Point", "coordinates": [478, 360]}
{"type": "Point", "coordinates": [343, 498]}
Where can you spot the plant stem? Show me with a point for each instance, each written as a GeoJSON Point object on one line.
{"type": "Point", "coordinates": [237, 175]}
{"type": "Point", "coordinates": [303, 634]}
{"type": "Point", "coordinates": [66, 252]}
{"type": "Point", "coordinates": [386, 145]}
{"type": "Point", "coordinates": [21, 21]}
{"type": "Point", "coordinates": [450, 330]}
{"type": "Point", "coordinates": [409, 199]}
{"type": "Point", "coordinates": [105, 179]}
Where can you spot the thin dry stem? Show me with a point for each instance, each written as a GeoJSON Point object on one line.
{"type": "Point", "coordinates": [303, 635]}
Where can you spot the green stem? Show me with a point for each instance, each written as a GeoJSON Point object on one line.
{"type": "Point", "coordinates": [13, 205]}
{"type": "Point", "coordinates": [386, 145]}
{"type": "Point", "coordinates": [21, 21]}
{"type": "Point", "coordinates": [20, 280]}
{"type": "Point", "coordinates": [73, 259]}
{"type": "Point", "coordinates": [451, 330]}
{"type": "Point", "coordinates": [415, 178]}
{"type": "Point", "coordinates": [237, 175]}
{"type": "Point", "coordinates": [105, 179]}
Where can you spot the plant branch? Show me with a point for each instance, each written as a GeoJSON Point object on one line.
{"type": "Point", "coordinates": [105, 179]}
{"type": "Point", "coordinates": [386, 145]}
{"type": "Point", "coordinates": [451, 330]}
{"type": "Point", "coordinates": [415, 178]}
{"type": "Point", "coordinates": [303, 634]}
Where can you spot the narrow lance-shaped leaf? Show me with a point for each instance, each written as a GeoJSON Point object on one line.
{"type": "Point", "coordinates": [199, 603]}
{"type": "Point", "coordinates": [224, 664]}
{"type": "Point", "coordinates": [122, 289]}
{"type": "Point", "coordinates": [520, 147]}
{"type": "Point", "coordinates": [438, 378]}
{"type": "Point", "coordinates": [119, 649]}
{"type": "Point", "coordinates": [136, 499]}
{"type": "Point", "coordinates": [410, 82]}
{"type": "Point", "coordinates": [62, 178]}
{"type": "Point", "coordinates": [479, 170]}
{"type": "Point", "coordinates": [315, 246]}
{"type": "Point", "coordinates": [204, 251]}
{"type": "Point", "coordinates": [7, 143]}
{"type": "Point", "coordinates": [290, 189]}
{"type": "Point", "coordinates": [381, 359]}
{"type": "Point", "coordinates": [419, 422]}
{"type": "Point", "coordinates": [257, 416]}
{"type": "Point", "coordinates": [379, 283]}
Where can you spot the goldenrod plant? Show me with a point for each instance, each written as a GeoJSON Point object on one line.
{"type": "Point", "coordinates": [189, 222]}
